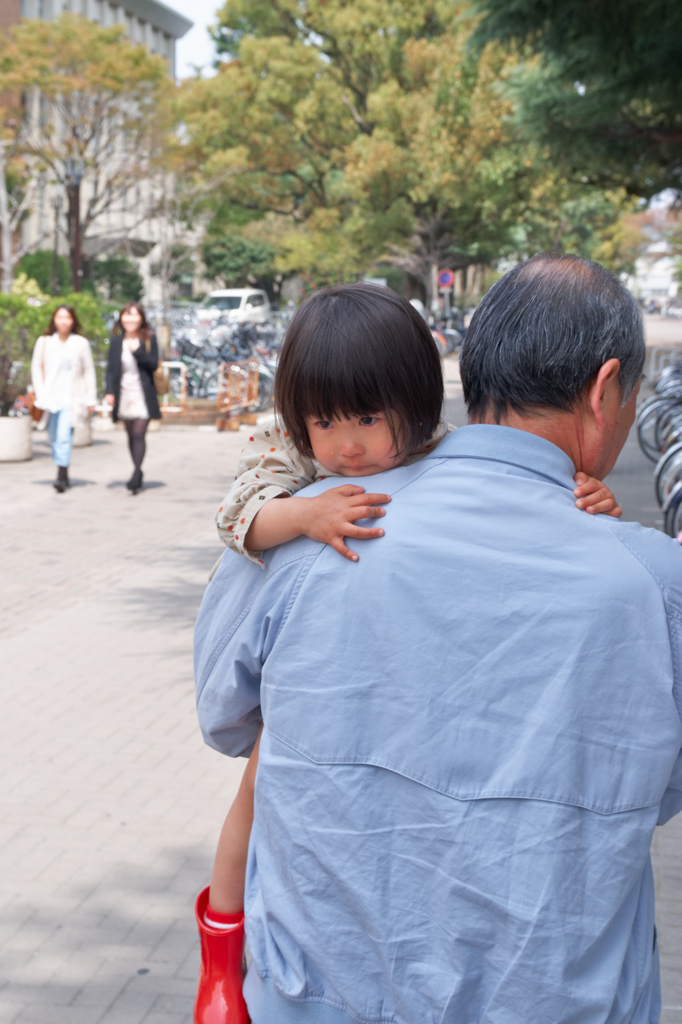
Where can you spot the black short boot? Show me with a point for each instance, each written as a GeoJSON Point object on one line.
{"type": "Point", "coordinates": [62, 481]}
{"type": "Point", "coordinates": [135, 483]}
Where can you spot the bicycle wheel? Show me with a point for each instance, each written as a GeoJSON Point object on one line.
{"type": "Point", "coordinates": [665, 423]}
{"type": "Point", "coordinates": [668, 471]}
{"type": "Point", "coordinates": [209, 384]}
{"type": "Point", "coordinates": [672, 434]}
{"type": "Point", "coordinates": [673, 511]}
{"type": "Point", "coordinates": [646, 426]}
{"type": "Point", "coordinates": [176, 382]}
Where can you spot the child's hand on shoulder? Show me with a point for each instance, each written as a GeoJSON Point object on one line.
{"type": "Point", "coordinates": [331, 516]}
{"type": "Point", "coordinates": [593, 496]}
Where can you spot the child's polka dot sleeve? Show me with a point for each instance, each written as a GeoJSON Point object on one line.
{"type": "Point", "coordinates": [269, 466]}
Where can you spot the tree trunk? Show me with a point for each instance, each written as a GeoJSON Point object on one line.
{"type": "Point", "coordinates": [166, 256]}
{"type": "Point", "coordinates": [5, 227]}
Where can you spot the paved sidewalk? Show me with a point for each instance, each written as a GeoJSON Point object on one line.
{"type": "Point", "coordinates": [110, 805]}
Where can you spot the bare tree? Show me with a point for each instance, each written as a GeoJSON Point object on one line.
{"type": "Point", "coordinates": [91, 97]}
{"type": "Point", "coordinates": [180, 211]}
{"type": "Point", "coordinates": [16, 199]}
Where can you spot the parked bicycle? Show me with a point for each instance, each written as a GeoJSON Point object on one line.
{"type": "Point", "coordinates": [204, 349]}
{"type": "Point", "coordinates": [659, 431]}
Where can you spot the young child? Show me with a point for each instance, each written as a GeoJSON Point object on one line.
{"type": "Point", "coordinates": [359, 390]}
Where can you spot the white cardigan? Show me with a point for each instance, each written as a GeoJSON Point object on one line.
{"type": "Point", "coordinates": [44, 366]}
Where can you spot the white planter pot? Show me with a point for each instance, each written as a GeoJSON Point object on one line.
{"type": "Point", "coordinates": [15, 439]}
{"type": "Point", "coordinates": [82, 435]}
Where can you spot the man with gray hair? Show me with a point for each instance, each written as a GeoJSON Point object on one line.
{"type": "Point", "coordinates": [471, 734]}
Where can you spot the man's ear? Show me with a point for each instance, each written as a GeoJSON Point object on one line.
{"type": "Point", "coordinates": [606, 384]}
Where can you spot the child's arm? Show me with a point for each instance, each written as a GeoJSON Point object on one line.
{"type": "Point", "coordinates": [269, 467]}
{"type": "Point", "coordinates": [327, 517]}
{"type": "Point", "coordinates": [226, 895]}
{"type": "Point", "coordinates": [594, 496]}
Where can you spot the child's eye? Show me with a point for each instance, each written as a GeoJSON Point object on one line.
{"type": "Point", "coordinates": [368, 421]}
{"type": "Point", "coordinates": [323, 424]}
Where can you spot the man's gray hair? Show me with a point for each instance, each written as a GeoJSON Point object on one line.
{"type": "Point", "coordinates": [542, 333]}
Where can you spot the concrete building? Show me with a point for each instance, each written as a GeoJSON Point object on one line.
{"type": "Point", "coordinates": [156, 26]}
{"type": "Point", "coordinates": [147, 21]}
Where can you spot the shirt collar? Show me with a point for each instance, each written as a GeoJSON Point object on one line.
{"type": "Point", "coordinates": [507, 444]}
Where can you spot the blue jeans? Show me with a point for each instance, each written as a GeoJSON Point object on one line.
{"type": "Point", "coordinates": [60, 432]}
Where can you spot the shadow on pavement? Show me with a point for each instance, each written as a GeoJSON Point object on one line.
{"type": "Point", "coordinates": [147, 485]}
{"type": "Point", "coordinates": [178, 599]}
{"type": "Point", "coordinates": [72, 483]}
{"type": "Point", "coordinates": [113, 944]}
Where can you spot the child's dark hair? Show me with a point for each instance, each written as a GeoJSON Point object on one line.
{"type": "Point", "coordinates": [356, 350]}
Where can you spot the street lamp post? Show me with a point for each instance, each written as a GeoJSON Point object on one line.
{"type": "Point", "coordinates": [57, 205]}
{"type": "Point", "coordinates": [74, 169]}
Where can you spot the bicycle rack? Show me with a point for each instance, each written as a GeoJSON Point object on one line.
{"type": "Point", "coordinates": [237, 394]}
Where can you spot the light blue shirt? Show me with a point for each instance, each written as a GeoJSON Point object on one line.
{"type": "Point", "coordinates": [469, 738]}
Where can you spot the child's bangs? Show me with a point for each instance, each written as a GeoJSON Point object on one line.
{"type": "Point", "coordinates": [357, 350]}
{"type": "Point", "coordinates": [338, 389]}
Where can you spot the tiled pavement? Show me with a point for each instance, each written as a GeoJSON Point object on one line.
{"type": "Point", "coordinates": [110, 804]}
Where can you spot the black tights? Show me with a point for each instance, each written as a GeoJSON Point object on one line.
{"type": "Point", "coordinates": [136, 429]}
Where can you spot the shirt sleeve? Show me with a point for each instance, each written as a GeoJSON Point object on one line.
{"type": "Point", "coordinates": [662, 558]}
{"type": "Point", "coordinates": [269, 467]}
{"type": "Point", "coordinates": [241, 615]}
{"type": "Point", "coordinates": [89, 373]}
{"type": "Point", "coordinates": [37, 365]}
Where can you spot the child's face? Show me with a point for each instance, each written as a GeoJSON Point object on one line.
{"type": "Point", "coordinates": [360, 446]}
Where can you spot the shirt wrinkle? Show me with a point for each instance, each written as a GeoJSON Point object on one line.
{"type": "Point", "coordinates": [469, 737]}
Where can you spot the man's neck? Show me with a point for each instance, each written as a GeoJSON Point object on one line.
{"type": "Point", "coordinates": [564, 429]}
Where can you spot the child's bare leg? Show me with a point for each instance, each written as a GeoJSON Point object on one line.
{"type": "Point", "coordinates": [229, 867]}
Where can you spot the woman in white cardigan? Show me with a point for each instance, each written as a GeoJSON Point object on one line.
{"type": "Point", "coordinates": [64, 384]}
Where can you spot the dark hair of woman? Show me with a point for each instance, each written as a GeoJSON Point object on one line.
{"type": "Point", "coordinates": [145, 331]}
{"type": "Point", "coordinates": [75, 327]}
{"type": "Point", "coordinates": [357, 350]}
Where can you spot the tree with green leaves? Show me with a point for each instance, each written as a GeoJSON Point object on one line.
{"type": "Point", "coordinates": [237, 261]}
{"type": "Point", "coordinates": [40, 267]}
{"type": "Point", "coordinates": [374, 130]}
{"type": "Point", "coordinates": [120, 278]}
{"type": "Point", "coordinates": [601, 85]}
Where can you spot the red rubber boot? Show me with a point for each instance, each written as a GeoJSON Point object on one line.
{"type": "Point", "coordinates": [219, 996]}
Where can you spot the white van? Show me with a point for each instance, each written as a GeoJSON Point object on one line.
{"type": "Point", "coordinates": [238, 305]}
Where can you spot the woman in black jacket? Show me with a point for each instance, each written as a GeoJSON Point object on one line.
{"type": "Point", "coordinates": [133, 357]}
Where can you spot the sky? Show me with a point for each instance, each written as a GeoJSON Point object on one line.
{"type": "Point", "coordinates": [196, 48]}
